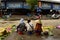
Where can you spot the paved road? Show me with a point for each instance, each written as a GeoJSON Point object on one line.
{"type": "Point", "coordinates": [15, 36]}
{"type": "Point", "coordinates": [12, 36]}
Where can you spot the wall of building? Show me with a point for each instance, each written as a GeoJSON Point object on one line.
{"type": "Point", "coordinates": [49, 5]}
{"type": "Point", "coordinates": [14, 4]}
{"type": "Point", "coordinates": [17, 5]}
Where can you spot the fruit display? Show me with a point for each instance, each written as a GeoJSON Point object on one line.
{"type": "Point", "coordinates": [49, 29]}
{"type": "Point", "coordinates": [1, 30]}
{"type": "Point", "coordinates": [10, 28]}
{"type": "Point", "coordinates": [6, 28]}
{"type": "Point", "coordinates": [4, 31]}
{"type": "Point", "coordinates": [13, 28]}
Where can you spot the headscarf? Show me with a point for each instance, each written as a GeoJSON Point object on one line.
{"type": "Point", "coordinates": [21, 20]}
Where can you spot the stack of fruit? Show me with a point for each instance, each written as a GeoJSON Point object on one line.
{"type": "Point", "coordinates": [10, 28]}
{"type": "Point", "coordinates": [1, 30]}
{"type": "Point", "coordinates": [48, 29]}
{"type": "Point", "coordinates": [4, 31]}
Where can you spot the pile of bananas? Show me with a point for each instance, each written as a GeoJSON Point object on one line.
{"type": "Point", "coordinates": [49, 29]}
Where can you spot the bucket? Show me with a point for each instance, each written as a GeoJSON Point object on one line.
{"type": "Point", "coordinates": [20, 33]}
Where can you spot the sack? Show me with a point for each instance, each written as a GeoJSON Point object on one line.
{"type": "Point", "coordinates": [58, 27]}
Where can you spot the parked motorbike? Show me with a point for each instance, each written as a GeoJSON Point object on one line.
{"type": "Point", "coordinates": [55, 16]}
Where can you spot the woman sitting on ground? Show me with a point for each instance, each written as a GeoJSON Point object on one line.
{"type": "Point", "coordinates": [30, 27]}
{"type": "Point", "coordinates": [21, 27]}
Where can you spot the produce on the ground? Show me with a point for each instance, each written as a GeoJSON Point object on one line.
{"type": "Point", "coordinates": [4, 31]}
{"type": "Point", "coordinates": [49, 29]}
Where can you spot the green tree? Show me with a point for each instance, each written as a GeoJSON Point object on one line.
{"type": "Point", "coordinates": [32, 3]}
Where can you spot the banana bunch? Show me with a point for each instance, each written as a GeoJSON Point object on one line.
{"type": "Point", "coordinates": [47, 28]}
{"type": "Point", "coordinates": [1, 30]}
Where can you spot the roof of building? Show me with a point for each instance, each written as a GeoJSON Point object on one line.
{"type": "Point", "coordinates": [55, 1]}
{"type": "Point", "coordinates": [14, 0]}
